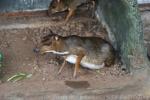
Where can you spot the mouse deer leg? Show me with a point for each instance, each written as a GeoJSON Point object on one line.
{"type": "Point", "coordinates": [71, 12]}
{"type": "Point", "coordinates": [77, 64]}
{"type": "Point", "coordinates": [61, 68]}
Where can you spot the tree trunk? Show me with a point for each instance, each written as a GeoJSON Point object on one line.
{"type": "Point", "coordinates": [122, 20]}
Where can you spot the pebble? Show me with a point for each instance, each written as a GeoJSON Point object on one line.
{"type": "Point", "coordinates": [24, 38]}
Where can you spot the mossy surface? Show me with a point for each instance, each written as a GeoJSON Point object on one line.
{"type": "Point", "coordinates": [124, 22]}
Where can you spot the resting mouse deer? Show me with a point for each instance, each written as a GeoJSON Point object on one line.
{"type": "Point", "coordinates": [89, 52]}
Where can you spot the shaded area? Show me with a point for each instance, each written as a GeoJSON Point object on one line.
{"type": "Point", "coordinates": [77, 84]}
{"type": "Point", "coordinates": [123, 23]}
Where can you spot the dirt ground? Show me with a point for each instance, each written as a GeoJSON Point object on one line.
{"type": "Point", "coordinates": [20, 35]}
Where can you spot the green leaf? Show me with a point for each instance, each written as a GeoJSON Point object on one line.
{"type": "Point", "coordinates": [19, 76]}
{"type": "Point", "coordinates": [18, 79]}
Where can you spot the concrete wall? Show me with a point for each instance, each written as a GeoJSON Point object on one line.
{"type": "Point", "coordinates": [21, 5]}
{"type": "Point", "coordinates": [27, 5]}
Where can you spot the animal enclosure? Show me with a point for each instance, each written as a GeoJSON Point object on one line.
{"type": "Point", "coordinates": [21, 32]}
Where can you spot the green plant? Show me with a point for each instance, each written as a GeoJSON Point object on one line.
{"type": "Point", "coordinates": [19, 76]}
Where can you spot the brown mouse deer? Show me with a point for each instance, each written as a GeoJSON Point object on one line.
{"type": "Point", "coordinates": [70, 5]}
{"type": "Point", "coordinates": [89, 52]}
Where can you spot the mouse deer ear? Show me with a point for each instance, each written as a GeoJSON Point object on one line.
{"type": "Point", "coordinates": [56, 38]}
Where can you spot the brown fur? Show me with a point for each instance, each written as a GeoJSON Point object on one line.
{"type": "Point", "coordinates": [94, 49]}
{"type": "Point", "coordinates": [70, 5]}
